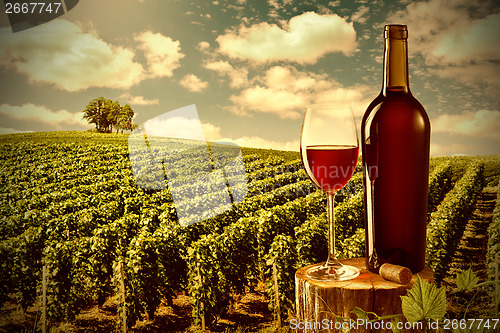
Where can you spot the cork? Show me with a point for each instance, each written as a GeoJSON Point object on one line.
{"type": "Point", "coordinates": [395, 273]}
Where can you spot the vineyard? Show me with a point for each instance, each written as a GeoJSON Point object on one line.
{"type": "Point", "coordinates": [71, 202]}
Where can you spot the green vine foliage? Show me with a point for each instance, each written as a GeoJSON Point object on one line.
{"type": "Point", "coordinates": [353, 246]}
{"type": "Point", "coordinates": [171, 249]}
{"type": "Point", "coordinates": [349, 217]}
{"type": "Point", "coordinates": [7, 283]}
{"type": "Point", "coordinates": [448, 222]}
{"type": "Point", "coordinates": [494, 243]}
{"type": "Point", "coordinates": [283, 256]}
{"type": "Point", "coordinates": [207, 284]}
{"type": "Point", "coordinates": [100, 255]}
{"type": "Point", "coordinates": [26, 269]}
{"type": "Point", "coordinates": [62, 293]}
{"type": "Point", "coordinates": [281, 220]}
{"type": "Point", "coordinates": [220, 266]}
{"type": "Point", "coordinates": [311, 240]}
{"type": "Point", "coordinates": [142, 276]}
{"type": "Point", "coordinates": [439, 185]}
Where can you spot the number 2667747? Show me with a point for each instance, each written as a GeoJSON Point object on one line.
{"type": "Point", "coordinates": [33, 7]}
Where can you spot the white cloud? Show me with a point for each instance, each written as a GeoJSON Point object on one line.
{"type": "Point", "coordinates": [175, 127]}
{"type": "Point", "coordinates": [60, 53]}
{"type": "Point", "coordinates": [476, 41]}
{"type": "Point", "coordinates": [482, 123]}
{"type": "Point", "coordinates": [285, 91]}
{"type": "Point", "coordinates": [263, 99]}
{"type": "Point", "coordinates": [137, 100]}
{"type": "Point", "coordinates": [470, 74]}
{"type": "Point", "coordinates": [440, 16]}
{"type": "Point", "coordinates": [193, 83]}
{"type": "Point", "coordinates": [238, 77]}
{"type": "Point", "coordinates": [38, 113]}
{"type": "Point", "coordinates": [304, 40]}
{"type": "Point", "coordinates": [360, 15]}
{"type": "Point", "coordinates": [203, 46]}
{"type": "Point", "coordinates": [450, 33]}
{"type": "Point", "coordinates": [182, 123]}
{"type": "Point", "coordinates": [211, 131]}
{"type": "Point", "coordinates": [456, 37]}
{"type": "Point", "coordinates": [162, 53]}
{"type": "Point", "coordinates": [276, 5]}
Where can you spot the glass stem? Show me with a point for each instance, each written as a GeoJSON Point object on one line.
{"type": "Point", "coordinates": [332, 259]}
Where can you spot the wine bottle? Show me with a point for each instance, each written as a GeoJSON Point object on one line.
{"type": "Point", "coordinates": [395, 133]}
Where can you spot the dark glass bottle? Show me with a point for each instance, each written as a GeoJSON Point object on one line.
{"type": "Point", "coordinates": [395, 134]}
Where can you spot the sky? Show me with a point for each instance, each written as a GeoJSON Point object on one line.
{"type": "Point", "coordinates": [251, 66]}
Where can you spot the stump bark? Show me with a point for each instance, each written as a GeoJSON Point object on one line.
{"type": "Point", "coordinates": [317, 301]}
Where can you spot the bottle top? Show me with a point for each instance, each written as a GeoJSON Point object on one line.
{"type": "Point", "coordinates": [395, 31]}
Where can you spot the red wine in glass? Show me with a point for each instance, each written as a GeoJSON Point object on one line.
{"type": "Point", "coordinates": [329, 150]}
{"type": "Point", "coordinates": [332, 166]}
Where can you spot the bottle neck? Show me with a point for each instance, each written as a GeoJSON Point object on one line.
{"type": "Point", "coordinates": [395, 66]}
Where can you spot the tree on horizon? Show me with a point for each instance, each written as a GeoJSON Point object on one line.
{"type": "Point", "coordinates": [106, 114]}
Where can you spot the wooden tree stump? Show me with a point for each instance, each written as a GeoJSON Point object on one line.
{"type": "Point", "coordinates": [319, 300]}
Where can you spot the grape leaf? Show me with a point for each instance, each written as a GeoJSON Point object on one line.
{"type": "Point", "coordinates": [360, 313]}
{"type": "Point", "coordinates": [467, 280]}
{"type": "Point", "coordinates": [424, 301]}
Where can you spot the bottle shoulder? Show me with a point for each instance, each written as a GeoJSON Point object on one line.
{"type": "Point", "coordinates": [387, 108]}
{"type": "Point", "coordinates": [392, 102]}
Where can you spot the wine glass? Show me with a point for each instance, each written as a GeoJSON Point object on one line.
{"type": "Point", "coordinates": [329, 150]}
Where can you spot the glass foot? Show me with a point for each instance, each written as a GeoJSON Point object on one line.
{"type": "Point", "coordinates": [323, 272]}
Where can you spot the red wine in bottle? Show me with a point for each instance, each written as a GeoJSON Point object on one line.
{"type": "Point", "coordinates": [331, 166]}
{"type": "Point", "coordinates": [395, 134]}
